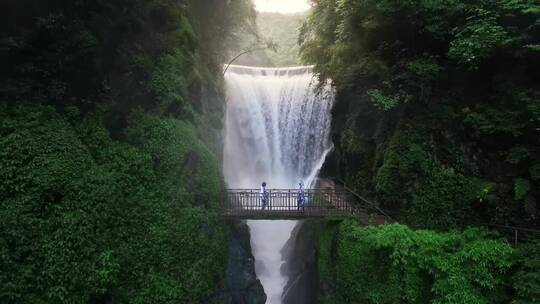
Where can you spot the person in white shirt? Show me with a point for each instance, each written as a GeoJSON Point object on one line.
{"type": "Point", "coordinates": [263, 195]}
{"type": "Point", "coordinates": [301, 196]}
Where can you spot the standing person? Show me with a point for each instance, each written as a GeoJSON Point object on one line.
{"type": "Point", "coordinates": [301, 196]}
{"type": "Point", "coordinates": [263, 195]}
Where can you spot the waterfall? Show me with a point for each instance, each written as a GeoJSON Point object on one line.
{"type": "Point", "coordinates": [276, 130]}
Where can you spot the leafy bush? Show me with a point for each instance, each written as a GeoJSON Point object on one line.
{"type": "Point", "coordinates": [393, 264]}
{"type": "Point", "coordinates": [188, 172]}
{"type": "Point", "coordinates": [444, 201]}
{"type": "Point", "coordinates": [86, 217]}
{"type": "Point", "coordinates": [477, 39]}
{"type": "Point", "coordinates": [167, 83]}
{"type": "Point", "coordinates": [407, 162]}
{"type": "Point", "coordinates": [526, 279]}
{"type": "Point", "coordinates": [488, 121]}
{"type": "Point", "coordinates": [382, 101]}
{"type": "Point", "coordinates": [521, 188]}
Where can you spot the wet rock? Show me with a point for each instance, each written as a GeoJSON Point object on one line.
{"type": "Point", "coordinates": [301, 265]}
{"type": "Point", "coordinates": [241, 283]}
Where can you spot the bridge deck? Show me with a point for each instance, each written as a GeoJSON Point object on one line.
{"type": "Point", "coordinates": [283, 204]}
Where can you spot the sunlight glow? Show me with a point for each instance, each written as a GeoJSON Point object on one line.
{"type": "Point", "coordinates": [282, 6]}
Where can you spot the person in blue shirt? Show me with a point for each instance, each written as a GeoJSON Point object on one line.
{"type": "Point", "coordinates": [301, 196]}
{"type": "Point", "coordinates": [263, 195]}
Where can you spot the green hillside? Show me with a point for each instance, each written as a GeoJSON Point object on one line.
{"type": "Point", "coordinates": [282, 29]}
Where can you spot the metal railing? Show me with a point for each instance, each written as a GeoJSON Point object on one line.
{"type": "Point", "coordinates": [283, 203]}
{"type": "Point", "coordinates": [515, 235]}
{"type": "Point", "coordinates": [339, 202]}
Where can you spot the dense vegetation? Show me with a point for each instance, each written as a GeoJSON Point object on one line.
{"type": "Point", "coordinates": [438, 106]}
{"type": "Point", "coordinates": [274, 43]}
{"type": "Point", "coordinates": [109, 147]}
{"type": "Point", "coordinates": [437, 117]}
{"type": "Point", "coordinates": [109, 172]}
{"type": "Point", "coordinates": [283, 29]}
{"type": "Point", "coordinates": [394, 264]}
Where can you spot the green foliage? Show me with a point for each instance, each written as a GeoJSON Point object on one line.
{"type": "Point", "coordinates": [108, 269]}
{"type": "Point", "coordinates": [517, 154]}
{"type": "Point", "coordinates": [427, 193]}
{"type": "Point", "coordinates": [425, 69]}
{"type": "Point", "coordinates": [86, 216]}
{"type": "Point", "coordinates": [109, 180]}
{"type": "Point", "coordinates": [167, 83]}
{"type": "Point", "coordinates": [393, 264]}
{"type": "Point", "coordinates": [48, 153]}
{"type": "Point", "coordinates": [533, 104]}
{"type": "Point", "coordinates": [406, 160]}
{"type": "Point", "coordinates": [350, 141]}
{"type": "Point", "coordinates": [441, 99]}
{"type": "Point", "coordinates": [188, 172]}
{"type": "Point", "coordinates": [521, 188]}
{"type": "Point", "coordinates": [283, 29]}
{"type": "Point", "coordinates": [190, 260]}
{"type": "Point", "coordinates": [488, 121]}
{"type": "Point", "coordinates": [486, 190]}
{"type": "Point", "coordinates": [326, 258]}
{"type": "Point", "coordinates": [477, 39]}
{"type": "Point", "coordinates": [117, 55]}
{"type": "Point", "coordinates": [445, 200]}
{"type": "Point", "coordinates": [433, 96]}
{"type": "Point", "coordinates": [526, 279]}
{"type": "Point", "coordinates": [41, 156]}
{"type": "Point", "coordinates": [383, 102]}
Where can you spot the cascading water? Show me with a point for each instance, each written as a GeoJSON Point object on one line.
{"type": "Point", "coordinates": [277, 130]}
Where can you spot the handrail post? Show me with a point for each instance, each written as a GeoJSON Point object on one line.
{"type": "Point", "coordinates": [289, 202]}
{"type": "Point", "coordinates": [269, 200]}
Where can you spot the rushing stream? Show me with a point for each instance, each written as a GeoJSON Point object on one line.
{"type": "Point", "coordinates": [277, 130]}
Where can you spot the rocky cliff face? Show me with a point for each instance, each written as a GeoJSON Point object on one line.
{"type": "Point", "coordinates": [241, 283]}
{"type": "Point", "coordinates": [301, 265]}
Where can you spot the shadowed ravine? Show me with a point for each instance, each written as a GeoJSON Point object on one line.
{"type": "Point", "coordinates": [277, 130]}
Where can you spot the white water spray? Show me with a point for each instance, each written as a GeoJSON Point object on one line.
{"type": "Point", "coordinates": [277, 130]}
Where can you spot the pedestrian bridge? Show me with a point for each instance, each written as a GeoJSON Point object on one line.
{"type": "Point", "coordinates": [282, 204]}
